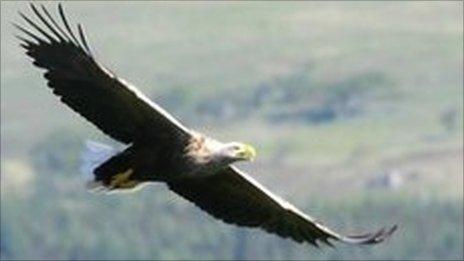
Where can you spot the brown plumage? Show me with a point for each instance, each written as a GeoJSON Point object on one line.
{"type": "Point", "coordinates": [160, 148]}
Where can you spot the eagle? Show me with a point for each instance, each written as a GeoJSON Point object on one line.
{"type": "Point", "coordinates": [159, 148]}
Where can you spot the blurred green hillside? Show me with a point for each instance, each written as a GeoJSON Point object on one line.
{"type": "Point", "coordinates": [356, 109]}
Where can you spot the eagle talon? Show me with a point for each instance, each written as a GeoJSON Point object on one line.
{"type": "Point", "coordinates": [120, 179]}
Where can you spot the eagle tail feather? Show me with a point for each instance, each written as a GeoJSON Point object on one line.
{"type": "Point", "coordinates": [93, 155]}
{"type": "Point", "coordinates": [110, 171]}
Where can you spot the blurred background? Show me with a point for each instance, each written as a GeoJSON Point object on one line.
{"type": "Point", "coordinates": [356, 109]}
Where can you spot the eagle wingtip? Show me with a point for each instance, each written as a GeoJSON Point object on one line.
{"type": "Point", "coordinates": [381, 235]}
{"type": "Point", "coordinates": [371, 238]}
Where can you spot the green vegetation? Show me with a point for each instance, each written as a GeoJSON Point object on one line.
{"type": "Point", "coordinates": [77, 225]}
{"type": "Point", "coordinates": [356, 110]}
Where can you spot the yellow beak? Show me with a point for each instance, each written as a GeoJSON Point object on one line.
{"type": "Point", "coordinates": [247, 152]}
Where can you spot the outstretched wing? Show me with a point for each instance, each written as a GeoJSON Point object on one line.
{"type": "Point", "coordinates": [236, 198]}
{"type": "Point", "coordinates": [114, 106]}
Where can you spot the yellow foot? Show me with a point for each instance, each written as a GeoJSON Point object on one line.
{"type": "Point", "coordinates": [119, 180]}
{"type": "Point", "coordinates": [128, 184]}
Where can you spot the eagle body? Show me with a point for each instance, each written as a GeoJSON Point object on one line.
{"type": "Point", "coordinates": [151, 163]}
{"type": "Point", "coordinates": [159, 148]}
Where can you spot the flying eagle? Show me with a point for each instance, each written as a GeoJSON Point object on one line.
{"type": "Point", "coordinates": [159, 147]}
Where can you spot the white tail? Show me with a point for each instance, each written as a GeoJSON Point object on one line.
{"type": "Point", "coordinates": [92, 156]}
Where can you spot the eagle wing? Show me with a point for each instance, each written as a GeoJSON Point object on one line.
{"type": "Point", "coordinates": [114, 106]}
{"type": "Point", "coordinates": [236, 198]}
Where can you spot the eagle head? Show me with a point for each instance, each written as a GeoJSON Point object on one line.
{"type": "Point", "coordinates": [209, 152]}
{"type": "Point", "coordinates": [237, 151]}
